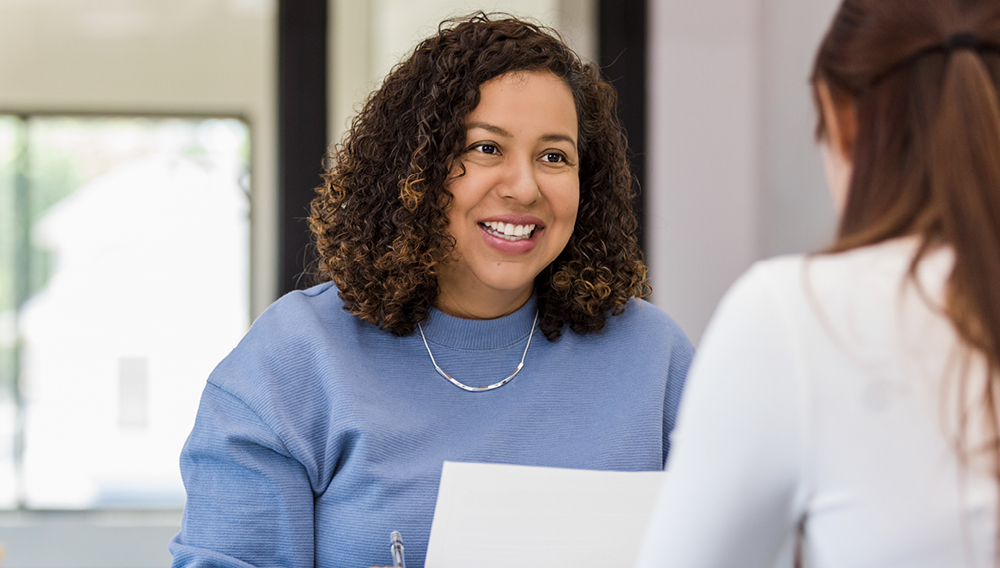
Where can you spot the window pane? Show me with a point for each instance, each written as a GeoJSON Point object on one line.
{"type": "Point", "coordinates": [139, 268]}
{"type": "Point", "coordinates": [9, 138]}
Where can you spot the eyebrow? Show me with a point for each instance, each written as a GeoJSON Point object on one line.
{"type": "Point", "coordinates": [501, 132]}
{"type": "Point", "coordinates": [489, 128]}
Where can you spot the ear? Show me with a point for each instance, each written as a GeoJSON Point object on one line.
{"type": "Point", "coordinates": [841, 121]}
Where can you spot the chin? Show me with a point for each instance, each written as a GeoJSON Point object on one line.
{"type": "Point", "coordinates": [506, 282]}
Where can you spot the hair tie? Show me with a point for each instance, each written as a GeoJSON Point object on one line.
{"type": "Point", "coordinates": [962, 40]}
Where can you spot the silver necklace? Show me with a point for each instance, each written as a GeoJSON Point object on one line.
{"type": "Point", "coordinates": [466, 387]}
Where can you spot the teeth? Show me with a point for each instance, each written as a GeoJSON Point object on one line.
{"type": "Point", "coordinates": [509, 231]}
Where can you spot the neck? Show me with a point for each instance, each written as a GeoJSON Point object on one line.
{"type": "Point", "coordinates": [466, 306]}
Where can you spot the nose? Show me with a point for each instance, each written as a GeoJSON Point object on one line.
{"type": "Point", "coordinates": [520, 182]}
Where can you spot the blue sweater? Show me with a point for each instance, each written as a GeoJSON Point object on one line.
{"type": "Point", "coordinates": [319, 434]}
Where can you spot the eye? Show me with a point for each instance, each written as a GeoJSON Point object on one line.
{"type": "Point", "coordinates": [486, 148]}
{"type": "Point", "coordinates": [553, 157]}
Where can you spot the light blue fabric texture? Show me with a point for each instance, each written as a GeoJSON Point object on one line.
{"type": "Point", "coordinates": [319, 434]}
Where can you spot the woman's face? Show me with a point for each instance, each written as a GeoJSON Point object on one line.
{"type": "Point", "coordinates": [514, 208]}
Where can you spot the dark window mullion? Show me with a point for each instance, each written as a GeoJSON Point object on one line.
{"type": "Point", "coordinates": [623, 56]}
{"type": "Point", "coordinates": [302, 131]}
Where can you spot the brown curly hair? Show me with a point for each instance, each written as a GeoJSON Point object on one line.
{"type": "Point", "coordinates": [379, 219]}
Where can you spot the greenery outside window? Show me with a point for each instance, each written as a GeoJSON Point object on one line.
{"type": "Point", "coordinates": [124, 278]}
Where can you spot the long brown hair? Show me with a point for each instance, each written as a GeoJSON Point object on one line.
{"type": "Point", "coordinates": [923, 78]}
{"type": "Point", "coordinates": [379, 219]}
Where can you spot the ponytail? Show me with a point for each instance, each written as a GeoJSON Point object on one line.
{"type": "Point", "coordinates": [965, 184]}
{"type": "Point", "coordinates": [923, 79]}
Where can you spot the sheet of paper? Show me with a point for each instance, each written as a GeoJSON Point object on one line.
{"type": "Point", "coordinates": [490, 515]}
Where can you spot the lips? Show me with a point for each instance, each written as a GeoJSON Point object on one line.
{"type": "Point", "coordinates": [511, 234]}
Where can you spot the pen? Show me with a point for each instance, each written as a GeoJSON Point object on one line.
{"type": "Point", "coordinates": [396, 546]}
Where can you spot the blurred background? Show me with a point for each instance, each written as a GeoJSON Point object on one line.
{"type": "Point", "coordinates": [157, 158]}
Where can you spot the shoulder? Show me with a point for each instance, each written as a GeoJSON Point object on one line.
{"type": "Point", "coordinates": [870, 277]}
{"type": "Point", "coordinates": [759, 301]}
{"type": "Point", "coordinates": [854, 294]}
{"type": "Point", "coordinates": [644, 322]}
{"type": "Point", "coordinates": [320, 302]}
{"type": "Point", "coordinates": [287, 338]}
{"type": "Point", "coordinates": [826, 276]}
{"type": "Point", "coordinates": [302, 314]}
{"type": "Point", "coordinates": [779, 277]}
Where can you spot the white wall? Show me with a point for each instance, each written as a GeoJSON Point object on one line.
{"type": "Point", "coordinates": [734, 174]}
{"type": "Point", "coordinates": [796, 212]}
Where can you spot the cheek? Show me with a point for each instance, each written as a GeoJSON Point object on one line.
{"type": "Point", "coordinates": [569, 200]}
{"type": "Point", "coordinates": [460, 200]}
{"type": "Point", "coordinates": [838, 176]}
{"type": "Point", "coordinates": [567, 210]}
{"type": "Point", "coordinates": [574, 206]}
{"type": "Point", "coordinates": [470, 189]}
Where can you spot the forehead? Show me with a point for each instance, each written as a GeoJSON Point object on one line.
{"type": "Point", "coordinates": [527, 101]}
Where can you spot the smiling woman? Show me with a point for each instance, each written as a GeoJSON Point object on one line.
{"type": "Point", "coordinates": [380, 221]}
{"type": "Point", "coordinates": [481, 196]}
{"type": "Point", "coordinates": [516, 191]}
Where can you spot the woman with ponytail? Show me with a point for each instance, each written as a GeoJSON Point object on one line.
{"type": "Point", "coordinates": [847, 402]}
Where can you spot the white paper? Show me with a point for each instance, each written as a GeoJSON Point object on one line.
{"type": "Point", "coordinates": [490, 515]}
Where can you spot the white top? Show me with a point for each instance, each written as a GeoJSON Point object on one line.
{"type": "Point", "coordinates": [824, 393]}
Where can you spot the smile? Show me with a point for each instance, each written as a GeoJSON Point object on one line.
{"type": "Point", "coordinates": [508, 231]}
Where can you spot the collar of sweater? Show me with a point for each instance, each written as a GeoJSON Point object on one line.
{"type": "Point", "coordinates": [480, 335]}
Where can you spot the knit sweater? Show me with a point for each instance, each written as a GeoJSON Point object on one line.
{"type": "Point", "coordinates": [319, 434]}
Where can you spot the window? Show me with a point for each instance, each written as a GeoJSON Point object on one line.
{"type": "Point", "coordinates": [124, 279]}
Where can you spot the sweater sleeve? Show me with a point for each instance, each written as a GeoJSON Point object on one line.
{"type": "Point", "coordinates": [730, 494]}
{"type": "Point", "coordinates": [680, 361]}
{"type": "Point", "coordinates": [249, 502]}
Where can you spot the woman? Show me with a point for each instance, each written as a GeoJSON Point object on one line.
{"type": "Point", "coordinates": [476, 226]}
{"type": "Point", "coordinates": [850, 397]}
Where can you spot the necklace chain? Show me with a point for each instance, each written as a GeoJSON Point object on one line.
{"type": "Point", "coordinates": [466, 387]}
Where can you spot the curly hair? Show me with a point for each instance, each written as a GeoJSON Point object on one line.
{"type": "Point", "coordinates": [379, 218]}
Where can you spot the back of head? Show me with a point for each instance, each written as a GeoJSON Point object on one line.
{"type": "Point", "coordinates": [923, 78]}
